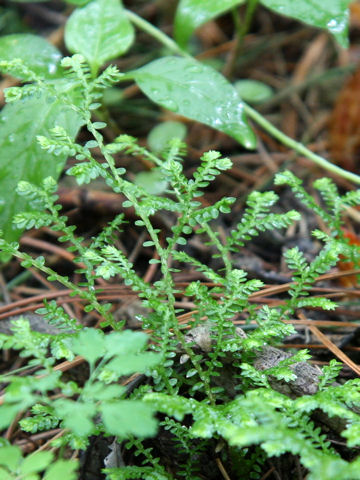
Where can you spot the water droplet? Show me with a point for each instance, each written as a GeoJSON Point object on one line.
{"type": "Point", "coordinates": [11, 138]}
{"type": "Point", "coordinates": [170, 104]}
{"type": "Point", "coordinates": [194, 68]}
{"type": "Point", "coordinates": [50, 99]}
{"type": "Point", "coordinates": [336, 26]}
{"type": "Point", "coordinates": [52, 68]}
{"type": "Point", "coordinates": [219, 111]}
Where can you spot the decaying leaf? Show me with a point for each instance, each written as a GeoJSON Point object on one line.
{"type": "Point", "coordinates": [344, 133]}
{"type": "Point", "coordinates": [344, 264]}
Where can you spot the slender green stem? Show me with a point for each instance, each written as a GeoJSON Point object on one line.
{"type": "Point", "coordinates": [253, 114]}
{"type": "Point", "coordinates": [88, 295]}
{"type": "Point", "coordinates": [299, 147]}
{"type": "Point", "coordinates": [249, 15]}
{"type": "Point", "coordinates": [156, 33]}
{"type": "Point", "coordinates": [225, 254]}
{"type": "Point", "coordinates": [243, 27]}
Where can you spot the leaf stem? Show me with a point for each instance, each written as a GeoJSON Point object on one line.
{"type": "Point", "coordinates": [242, 26]}
{"type": "Point", "coordinates": [156, 33]}
{"type": "Point", "coordinates": [299, 147]}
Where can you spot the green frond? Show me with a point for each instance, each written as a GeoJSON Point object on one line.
{"type": "Point", "coordinates": [330, 373]}
{"type": "Point", "coordinates": [288, 178]}
{"type": "Point", "coordinates": [109, 77]}
{"type": "Point", "coordinates": [35, 219]}
{"type": "Point", "coordinates": [14, 94]}
{"type": "Point", "coordinates": [16, 68]}
{"type": "Point", "coordinates": [256, 218]}
{"type": "Point", "coordinates": [351, 198]}
{"type": "Point", "coordinates": [200, 267]}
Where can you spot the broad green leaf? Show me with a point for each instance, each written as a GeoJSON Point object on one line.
{"type": "Point", "coordinates": [78, 3]}
{"type": "Point", "coordinates": [190, 14]}
{"type": "Point", "coordinates": [21, 158]}
{"type": "Point", "coordinates": [5, 475]}
{"type": "Point", "coordinates": [76, 416]}
{"type": "Point", "coordinates": [130, 363]}
{"type": "Point", "coordinates": [198, 92]}
{"type": "Point", "coordinates": [7, 415]}
{"type": "Point", "coordinates": [332, 15]}
{"type": "Point", "coordinates": [122, 343]}
{"type": "Point", "coordinates": [97, 391]}
{"type": "Point", "coordinates": [35, 52]}
{"type": "Point", "coordinates": [99, 31]}
{"type": "Point", "coordinates": [128, 417]}
{"type": "Point", "coordinates": [62, 469]}
{"type": "Point", "coordinates": [36, 462]}
{"type": "Point", "coordinates": [10, 456]}
{"type": "Point", "coordinates": [253, 91]}
{"type": "Point", "coordinates": [160, 135]}
{"type": "Point", "coordinates": [90, 344]}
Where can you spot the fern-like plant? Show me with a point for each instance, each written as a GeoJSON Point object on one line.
{"type": "Point", "coordinates": [185, 376]}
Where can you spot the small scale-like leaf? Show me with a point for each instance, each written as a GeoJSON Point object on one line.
{"type": "Point", "coordinates": [198, 92]}
{"type": "Point", "coordinates": [190, 14]}
{"type": "Point", "coordinates": [35, 52]}
{"type": "Point", "coordinates": [333, 15]}
{"type": "Point", "coordinates": [99, 31]}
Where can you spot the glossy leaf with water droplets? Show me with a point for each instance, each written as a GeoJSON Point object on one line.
{"type": "Point", "coordinates": [35, 52]}
{"type": "Point", "coordinates": [190, 14]}
{"type": "Point", "coordinates": [100, 31]}
{"type": "Point", "coordinates": [198, 92]}
{"type": "Point", "coordinates": [21, 157]}
{"type": "Point", "coordinates": [332, 15]}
